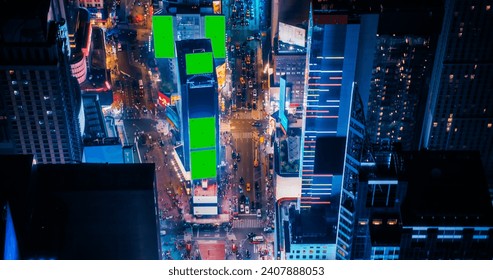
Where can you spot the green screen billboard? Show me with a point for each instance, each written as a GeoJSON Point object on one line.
{"type": "Point", "coordinates": [215, 29]}
{"type": "Point", "coordinates": [164, 41]}
{"type": "Point", "coordinates": [203, 164]}
{"type": "Point", "coordinates": [198, 63]}
{"type": "Point", "coordinates": [202, 133]}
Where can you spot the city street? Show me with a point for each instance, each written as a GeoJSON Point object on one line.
{"type": "Point", "coordinates": [242, 126]}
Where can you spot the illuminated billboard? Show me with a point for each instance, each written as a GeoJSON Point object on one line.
{"type": "Point", "coordinates": [215, 29]}
{"type": "Point", "coordinates": [221, 75]}
{"type": "Point", "coordinates": [291, 34]}
{"type": "Point", "coordinates": [198, 63]}
{"type": "Point", "coordinates": [216, 5]}
{"type": "Point", "coordinates": [164, 41]}
{"type": "Point", "coordinates": [203, 164]}
{"type": "Point", "coordinates": [202, 133]}
{"type": "Point", "coordinates": [205, 210]}
{"type": "Point", "coordinates": [282, 104]}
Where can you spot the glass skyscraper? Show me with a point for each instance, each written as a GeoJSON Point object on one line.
{"type": "Point", "coordinates": [459, 110]}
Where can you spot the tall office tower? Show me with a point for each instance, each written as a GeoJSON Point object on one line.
{"type": "Point", "coordinates": [192, 41]}
{"type": "Point", "coordinates": [199, 118]}
{"type": "Point", "coordinates": [331, 95]}
{"type": "Point", "coordinates": [40, 103]}
{"type": "Point", "coordinates": [290, 23]}
{"type": "Point", "coordinates": [378, 200]}
{"type": "Point", "coordinates": [446, 213]}
{"type": "Point", "coordinates": [397, 85]}
{"type": "Point", "coordinates": [459, 110]}
{"type": "Point", "coordinates": [402, 64]}
{"type": "Point", "coordinates": [79, 211]}
{"type": "Point", "coordinates": [79, 33]}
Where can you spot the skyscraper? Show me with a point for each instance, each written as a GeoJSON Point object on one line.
{"type": "Point", "coordinates": [459, 109]}
{"type": "Point", "coordinates": [446, 213]}
{"type": "Point", "coordinates": [332, 124]}
{"type": "Point", "coordinates": [40, 102]}
{"type": "Point", "coordinates": [402, 58]}
{"type": "Point", "coordinates": [79, 211]}
{"type": "Point", "coordinates": [199, 130]}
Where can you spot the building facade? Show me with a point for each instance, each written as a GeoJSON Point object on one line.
{"type": "Point", "coordinates": [459, 109]}
{"type": "Point", "coordinates": [40, 100]}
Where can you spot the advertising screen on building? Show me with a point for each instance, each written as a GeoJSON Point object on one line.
{"type": "Point", "coordinates": [291, 34]}
{"type": "Point", "coordinates": [203, 164]}
{"type": "Point", "coordinates": [221, 75]}
{"type": "Point", "coordinates": [210, 210]}
{"type": "Point", "coordinates": [199, 63]}
{"type": "Point", "coordinates": [205, 199]}
{"type": "Point", "coordinates": [202, 133]}
{"type": "Point", "coordinates": [215, 29]}
{"type": "Point", "coordinates": [282, 104]}
{"type": "Point", "coordinates": [164, 41]}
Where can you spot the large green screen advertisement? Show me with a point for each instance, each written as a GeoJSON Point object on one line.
{"type": "Point", "coordinates": [203, 164]}
{"type": "Point", "coordinates": [198, 63]}
{"type": "Point", "coordinates": [215, 29]}
{"type": "Point", "coordinates": [164, 41]}
{"type": "Point", "coordinates": [202, 133]}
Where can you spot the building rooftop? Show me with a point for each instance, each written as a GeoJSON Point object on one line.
{"type": "Point", "coordinates": [385, 229]}
{"type": "Point", "coordinates": [83, 211]}
{"type": "Point", "coordinates": [332, 148]}
{"type": "Point", "coordinates": [104, 153]}
{"type": "Point", "coordinates": [313, 225]}
{"type": "Point", "coordinates": [294, 12]}
{"type": "Point", "coordinates": [445, 188]}
{"type": "Point", "coordinates": [185, 47]}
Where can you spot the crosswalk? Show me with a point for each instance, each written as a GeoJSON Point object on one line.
{"type": "Point", "coordinates": [247, 223]}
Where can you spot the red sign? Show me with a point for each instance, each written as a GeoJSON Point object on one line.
{"type": "Point", "coordinates": [163, 100]}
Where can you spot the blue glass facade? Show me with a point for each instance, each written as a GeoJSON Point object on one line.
{"type": "Point", "coordinates": [332, 55]}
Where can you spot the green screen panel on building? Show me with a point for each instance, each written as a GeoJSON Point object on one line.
{"type": "Point", "coordinates": [203, 164]}
{"type": "Point", "coordinates": [198, 63]}
{"type": "Point", "coordinates": [164, 41]}
{"type": "Point", "coordinates": [215, 29]}
{"type": "Point", "coordinates": [202, 133]}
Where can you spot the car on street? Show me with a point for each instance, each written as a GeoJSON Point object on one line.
{"type": "Point", "coordinates": [256, 124]}
{"type": "Point", "coordinates": [247, 209]}
{"type": "Point", "coordinates": [248, 187]}
{"type": "Point", "coordinates": [268, 229]}
{"type": "Point", "coordinates": [242, 208]}
{"type": "Point", "coordinates": [242, 181]}
{"type": "Point", "coordinates": [238, 158]}
{"type": "Point", "coordinates": [233, 155]}
{"type": "Point", "coordinates": [235, 166]}
{"type": "Point", "coordinates": [259, 213]}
